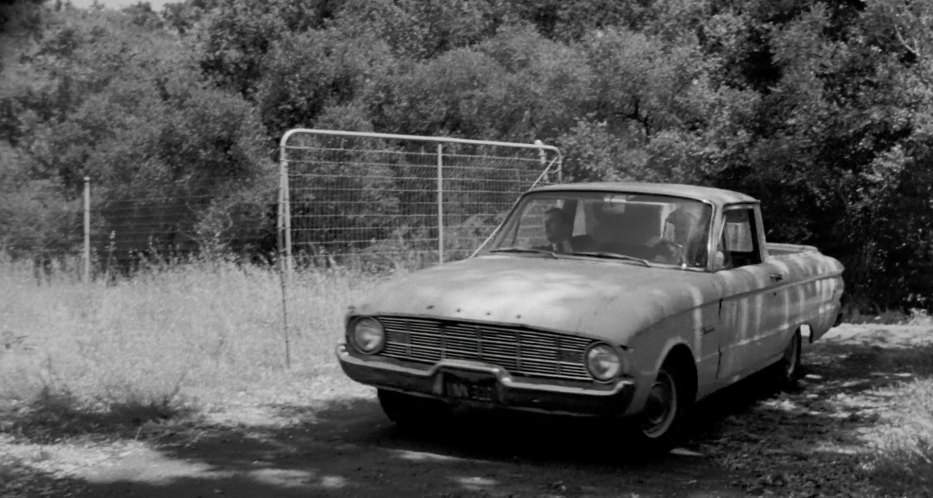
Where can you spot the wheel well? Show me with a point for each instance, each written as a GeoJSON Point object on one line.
{"type": "Point", "coordinates": [681, 360]}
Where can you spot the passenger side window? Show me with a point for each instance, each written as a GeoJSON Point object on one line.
{"type": "Point", "coordinates": [739, 242]}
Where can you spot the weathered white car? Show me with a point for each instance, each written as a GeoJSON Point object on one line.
{"type": "Point", "coordinates": [622, 300]}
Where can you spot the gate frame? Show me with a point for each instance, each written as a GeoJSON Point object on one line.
{"type": "Point", "coordinates": [284, 209]}
{"type": "Point", "coordinates": [284, 224]}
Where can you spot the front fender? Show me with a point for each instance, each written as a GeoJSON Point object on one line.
{"type": "Point", "coordinates": [695, 330]}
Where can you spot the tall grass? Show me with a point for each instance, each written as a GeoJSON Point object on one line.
{"type": "Point", "coordinates": [165, 337]}
{"type": "Point", "coordinates": [904, 438]}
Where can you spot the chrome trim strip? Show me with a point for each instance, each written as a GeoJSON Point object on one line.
{"type": "Point", "coordinates": [780, 286]}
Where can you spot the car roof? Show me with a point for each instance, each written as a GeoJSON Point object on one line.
{"type": "Point", "coordinates": [715, 195]}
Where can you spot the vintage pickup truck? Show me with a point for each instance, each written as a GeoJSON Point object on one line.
{"type": "Point", "coordinates": [615, 300]}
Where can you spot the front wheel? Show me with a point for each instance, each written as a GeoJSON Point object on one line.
{"type": "Point", "coordinates": [664, 416]}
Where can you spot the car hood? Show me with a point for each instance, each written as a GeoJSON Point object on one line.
{"type": "Point", "coordinates": [606, 299]}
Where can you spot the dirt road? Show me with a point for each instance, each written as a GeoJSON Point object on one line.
{"type": "Point", "coordinates": [745, 441]}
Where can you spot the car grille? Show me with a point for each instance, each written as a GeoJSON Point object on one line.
{"type": "Point", "coordinates": [520, 351]}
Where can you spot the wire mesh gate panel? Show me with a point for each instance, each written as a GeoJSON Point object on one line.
{"type": "Point", "coordinates": [373, 200]}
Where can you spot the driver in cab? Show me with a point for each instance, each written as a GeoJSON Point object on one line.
{"type": "Point", "coordinates": [683, 240]}
{"type": "Point", "coordinates": [558, 228]}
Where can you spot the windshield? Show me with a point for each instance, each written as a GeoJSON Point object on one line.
{"type": "Point", "coordinates": [651, 228]}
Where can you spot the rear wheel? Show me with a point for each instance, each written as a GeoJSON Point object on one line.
{"type": "Point", "coordinates": [409, 411]}
{"type": "Point", "coordinates": [665, 412]}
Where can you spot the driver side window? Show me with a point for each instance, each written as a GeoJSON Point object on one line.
{"type": "Point", "coordinates": [739, 242]}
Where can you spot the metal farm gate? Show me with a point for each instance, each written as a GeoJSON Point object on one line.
{"type": "Point", "coordinates": [375, 200]}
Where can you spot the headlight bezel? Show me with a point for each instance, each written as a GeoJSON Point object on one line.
{"type": "Point", "coordinates": [613, 352]}
{"type": "Point", "coordinates": [353, 333]}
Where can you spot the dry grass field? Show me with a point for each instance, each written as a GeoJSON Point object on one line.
{"type": "Point", "coordinates": [174, 365]}
{"type": "Point", "coordinates": [175, 339]}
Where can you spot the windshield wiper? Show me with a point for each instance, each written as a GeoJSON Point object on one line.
{"type": "Point", "coordinates": [525, 249]}
{"type": "Point", "coordinates": [613, 255]}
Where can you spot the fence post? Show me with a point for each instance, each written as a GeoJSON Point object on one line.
{"type": "Point", "coordinates": [560, 168]}
{"type": "Point", "coordinates": [87, 229]}
{"type": "Point", "coordinates": [440, 203]}
{"type": "Point", "coordinates": [285, 246]}
{"type": "Point", "coordinates": [542, 156]}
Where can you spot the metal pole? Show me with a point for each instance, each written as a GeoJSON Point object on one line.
{"type": "Point", "coordinates": [440, 203]}
{"type": "Point", "coordinates": [542, 157]}
{"type": "Point", "coordinates": [390, 136]}
{"type": "Point", "coordinates": [87, 229]}
{"type": "Point", "coordinates": [285, 249]}
{"type": "Point", "coordinates": [287, 230]}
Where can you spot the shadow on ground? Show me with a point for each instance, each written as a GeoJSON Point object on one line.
{"type": "Point", "coordinates": [349, 449]}
{"type": "Point", "coordinates": [747, 439]}
{"type": "Point", "coordinates": [818, 438]}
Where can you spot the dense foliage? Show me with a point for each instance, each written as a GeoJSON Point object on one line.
{"type": "Point", "coordinates": [822, 109]}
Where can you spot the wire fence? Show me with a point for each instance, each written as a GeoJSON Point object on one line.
{"type": "Point", "coordinates": [371, 200]}
{"type": "Point", "coordinates": [175, 221]}
{"type": "Point", "coordinates": [339, 199]}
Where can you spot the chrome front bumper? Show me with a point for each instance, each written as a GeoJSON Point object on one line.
{"type": "Point", "coordinates": [552, 396]}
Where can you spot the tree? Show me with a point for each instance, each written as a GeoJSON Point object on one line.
{"type": "Point", "coordinates": [125, 105]}
{"type": "Point", "coordinates": [306, 72]}
{"type": "Point", "coordinates": [820, 109]}
{"type": "Point", "coordinates": [547, 83]}
{"type": "Point", "coordinates": [833, 153]}
{"type": "Point", "coordinates": [236, 35]}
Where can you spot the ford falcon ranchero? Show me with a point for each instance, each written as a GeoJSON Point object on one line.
{"type": "Point", "coordinates": [613, 300]}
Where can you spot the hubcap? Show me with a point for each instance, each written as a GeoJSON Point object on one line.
{"type": "Point", "coordinates": [661, 406]}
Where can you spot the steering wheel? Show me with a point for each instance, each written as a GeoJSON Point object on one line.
{"type": "Point", "coordinates": [667, 252]}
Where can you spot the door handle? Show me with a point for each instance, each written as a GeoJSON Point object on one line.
{"type": "Point", "coordinates": [777, 277]}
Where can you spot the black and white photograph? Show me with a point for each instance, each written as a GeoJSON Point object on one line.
{"type": "Point", "coordinates": [466, 248]}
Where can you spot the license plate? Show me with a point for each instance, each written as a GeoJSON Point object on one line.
{"type": "Point", "coordinates": [457, 388]}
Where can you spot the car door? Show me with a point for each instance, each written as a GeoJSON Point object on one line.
{"type": "Point", "coordinates": [754, 304]}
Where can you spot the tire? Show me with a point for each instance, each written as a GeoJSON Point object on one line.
{"type": "Point", "coordinates": [411, 412]}
{"type": "Point", "coordinates": [787, 369]}
{"type": "Point", "coordinates": [664, 416]}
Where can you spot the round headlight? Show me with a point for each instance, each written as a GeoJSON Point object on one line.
{"type": "Point", "coordinates": [603, 362]}
{"type": "Point", "coordinates": [367, 335]}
